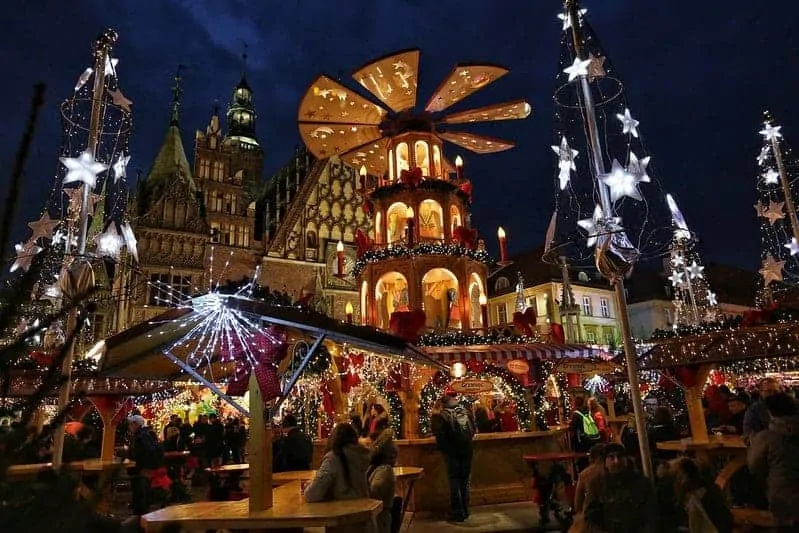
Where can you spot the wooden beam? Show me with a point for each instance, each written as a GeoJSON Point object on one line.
{"type": "Point", "coordinates": [693, 399]}
{"type": "Point", "coordinates": [260, 452]}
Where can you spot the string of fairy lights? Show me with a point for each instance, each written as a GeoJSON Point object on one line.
{"type": "Point", "coordinates": [394, 251]}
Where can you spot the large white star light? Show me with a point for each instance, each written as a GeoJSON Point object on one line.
{"type": "Point", "coordinates": [577, 69]}
{"type": "Point", "coordinates": [109, 243]}
{"type": "Point", "coordinates": [567, 19]}
{"type": "Point", "coordinates": [771, 177]}
{"type": "Point", "coordinates": [712, 300]}
{"type": "Point", "coordinates": [566, 164]}
{"type": "Point", "coordinates": [621, 183]}
{"type": "Point", "coordinates": [695, 270]}
{"type": "Point", "coordinates": [678, 260]}
{"type": "Point", "coordinates": [637, 167]}
{"type": "Point", "coordinates": [770, 132]}
{"type": "Point", "coordinates": [793, 246]}
{"type": "Point", "coordinates": [676, 278]}
{"type": "Point", "coordinates": [130, 240]}
{"type": "Point", "coordinates": [83, 169]}
{"type": "Point", "coordinates": [629, 124]}
{"type": "Point", "coordinates": [681, 232]}
{"type": "Point", "coordinates": [120, 167]}
{"type": "Point", "coordinates": [598, 225]}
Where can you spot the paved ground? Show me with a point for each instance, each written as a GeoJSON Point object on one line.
{"type": "Point", "coordinates": [491, 518]}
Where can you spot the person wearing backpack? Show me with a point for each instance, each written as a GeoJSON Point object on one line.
{"type": "Point", "coordinates": [454, 429]}
{"type": "Point", "coordinates": [584, 431]}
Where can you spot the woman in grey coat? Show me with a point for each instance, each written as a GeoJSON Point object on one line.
{"type": "Point", "coordinates": [774, 456]}
{"type": "Point", "coordinates": [342, 474]}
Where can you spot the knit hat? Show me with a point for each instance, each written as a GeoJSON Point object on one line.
{"type": "Point", "coordinates": [137, 419]}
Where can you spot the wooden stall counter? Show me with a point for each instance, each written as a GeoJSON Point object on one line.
{"type": "Point", "coordinates": [499, 473]}
{"type": "Point", "coordinates": [289, 510]}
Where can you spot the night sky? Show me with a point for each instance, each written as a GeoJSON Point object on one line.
{"type": "Point", "coordinates": [698, 76]}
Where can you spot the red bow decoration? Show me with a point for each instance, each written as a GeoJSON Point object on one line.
{"type": "Point", "coordinates": [525, 322]}
{"type": "Point", "coordinates": [350, 379]}
{"type": "Point", "coordinates": [407, 324]}
{"type": "Point", "coordinates": [267, 348]}
{"type": "Point", "coordinates": [466, 188]}
{"type": "Point", "coordinates": [368, 207]}
{"type": "Point", "coordinates": [362, 242]}
{"type": "Point", "coordinates": [686, 375]}
{"type": "Point", "coordinates": [43, 357]}
{"type": "Point", "coordinates": [399, 378]}
{"type": "Point", "coordinates": [465, 237]}
{"type": "Point", "coordinates": [558, 336]}
{"type": "Point", "coordinates": [411, 178]}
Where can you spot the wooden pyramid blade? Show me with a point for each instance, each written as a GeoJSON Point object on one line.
{"type": "Point", "coordinates": [515, 110]}
{"type": "Point", "coordinates": [463, 81]}
{"type": "Point", "coordinates": [372, 155]}
{"type": "Point", "coordinates": [329, 101]}
{"type": "Point", "coordinates": [393, 79]}
{"type": "Point", "coordinates": [326, 139]}
{"type": "Point", "coordinates": [477, 143]}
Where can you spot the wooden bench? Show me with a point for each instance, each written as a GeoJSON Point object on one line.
{"type": "Point", "coordinates": [289, 510]}
{"type": "Point", "coordinates": [743, 516]}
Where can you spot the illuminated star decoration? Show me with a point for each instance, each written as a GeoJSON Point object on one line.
{"type": "Point", "coordinates": [621, 183]}
{"type": "Point", "coordinates": [119, 100]}
{"type": "Point", "coordinates": [597, 225]}
{"type": "Point", "coordinates": [60, 237]}
{"type": "Point", "coordinates": [596, 68]}
{"type": "Point", "coordinates": [773, 212]}
{"type": "Point", "coordinates": [25, 253]}
{"type": "Point", "coordinates": [83, 169]}
{"type": "Point", "coordinates": [566, 164]}
{"type": "Point", "coordinates": [130, 240]}
{"type": "Point", "coordinates": [637, 167]}
{"type": "Point", "coordinates": [578, 68]}
{"type": "Point", "coordinates": [109, 243]}
{"type": "Point", "coordinates": [120, 167]}
{"type": "Point", "coordinates": [771, 270]}
{"type": "Point", "coordinates": [771, 177]}
{"type": "Point", "coordinates": [761, 158]}
{"type": "Point", "coordinates": [111, 66]}
{"type": "Point", "coordinates": [695, 270]}
{"type": "Point", "coordinates": [676, 278]}
{"type": "Point", "coordinates": [677, 260]}
{"type": "Point", "coordinates": [84, 78]}
{"type": "Point", "coordinates": [629, 124]}
{"type": "Point", "coordinates": [76, 199]}
{"type": "Point", "coordinates": [770, 132]}
{"type": "Point", "coordinates": [712, 299]}
{"type": "Point", "coordinates": [793, 246]}
{"type": "Point", "coordinates": [43, 228]}
{"type": "Point", "coordinates": [567, 20]}
{"type": "Point", "coordinates": [682, 231]}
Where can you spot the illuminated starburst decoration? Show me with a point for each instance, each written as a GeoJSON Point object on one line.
{"type": "Point", "coordinates": [130, 240]}
{"type": "Point", "coordinates": [793, 246]}
{"type": "Point", "coordinates": [120, 167]}
{"type": "Point", "coordinates": [676, 278]}
{"type": "Point", "coordinates": [763, 155]}
{"type": "Point", "coordinates": [83, 169]}
{"type": "Point", "coordinates": [335, 120]}
{"type": "Point", "coordinates": [621, 183]}
{"type": "Point", "coordinates": [695, 270]}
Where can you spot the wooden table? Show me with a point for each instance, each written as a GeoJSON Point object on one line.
{"type": "Point", "coordinates": [289, 510]}
{"type": "Point", "coordinates": [705, 450]}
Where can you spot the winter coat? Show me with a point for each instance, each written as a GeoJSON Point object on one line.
{"type": "Point", "coordinates": [621, 503]}
{"type": "Point", "coordinates": [294, 451]}
{"type": "Point", "coordinates": [382, 483]}
{"type": "Point", "coordinates": [774, 456]}
{"type": "Point", "coordinates": [708, 511]}
{"type": "Point", "coordinates": [330, 482]}
{"type": "Point", "coordinates": [586, 477]}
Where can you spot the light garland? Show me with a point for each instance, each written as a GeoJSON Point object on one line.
{"type": "Point", "coordinates": [458, 338]}
{"type": "Point", "coordinates": [421, 249]}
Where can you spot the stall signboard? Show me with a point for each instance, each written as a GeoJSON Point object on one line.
{"type": "Point", "coordinates": [472, 386]}
{"type": "Point", "coordinates": [518, 366]}
{"type": "Point", "coordinates": [586, 367]}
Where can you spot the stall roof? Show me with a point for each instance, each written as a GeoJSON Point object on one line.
{"type": "Point", "coordinates": [138, 351]}
{"type": "Point", "coordinates": [760, 342]}
{"type": "Point", "coordinates": [503, 353]}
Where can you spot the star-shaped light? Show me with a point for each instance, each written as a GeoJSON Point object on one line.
{"type": "Point", "coordinates": [76, 199]}
{"type": "Point", "coordinates": [678, 260]}
{"type": "Point", "coordinates": [771, 177]}
{"type": "Point", "coordinates": [770, 132]}
{"type": "Point", "coordinates": [773, 212]}
{"type": "Point", "coordinates": [695, 270]}
{"type": "Point", "coordinates": [83, 169]}
{"type": "Point", "coordinates": [60, 237]}
{"type": "Point", "coordinates": [712, 300]}
{"type": "Point", "coordinates": [771, 270]}
{"type": "Point", "coordinates": [111, 66]}
{"type": "Point", "coordinates": [130, 240]}
{"type": "Point", "coordinates": [681, 232]}
{"type": "Point", "coordinates": [578, 68]}
{"type": "Point", "coordinates": [637, 167]}
{"type": "Point", "coordinates": [109, 242]}
{"type": "Point", "coordinates": [621, 183]}
{"type": "Point", "coordinates": [567, 20]}
{"type": "Point", "coordinates": [629, 124]}
{"type": "Point", "coordinates": [43, 228]}
{"type": "Point", "coordinates": [25, 253]}
{"type": "Point", "coordinates": [763, 155]}
{"type": "Point", "coordinates": [119, 100]}
{"type": "Point", "coordinates": [120, 167]}
{"type": "Point", "coordinates": [793, 246]}
{"type": "Point", "coordinates": [598, 225]}
{"type": "Point", "coordinates": [83, 78]}
{"type": "Point", "coordinates": [596, 68]}
{"type": "Point", "coordinates": [566, 164]}
{"type": "Point", "coordinates": [676, 278]}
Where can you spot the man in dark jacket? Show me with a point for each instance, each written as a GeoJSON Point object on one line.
{"type": "Point", "coordinates": [145, 451]}
{"type": "Point", "coordinates": [756, 418]}
{"type": "Point", "coordinates": [774, 456]}
{"type": "Point", "coordinates": [294, 450]}
{"type": "Point", "coordinates": [454, 429]}
{"type": "Point", "coordinates": [214, 441]}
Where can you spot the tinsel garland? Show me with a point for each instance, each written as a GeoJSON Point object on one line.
{"type": "Point", "coordinates": [458, 338]}
{"type": "Point", "coordinates": [421, 249]}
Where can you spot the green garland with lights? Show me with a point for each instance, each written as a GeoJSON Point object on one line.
{"type": "Point", "coordinates": [423, 248]}
{"type": "Point", "coordinates": [396, 413]}
{"type": "Point", "coordinates": [432, 185]}
{"type": "Point", "coordinates": [548, 369]}
{"type": "Point", "coordinates": [458, 338]}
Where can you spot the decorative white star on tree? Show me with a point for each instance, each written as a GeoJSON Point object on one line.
{"type": "Point", "coordinates": [712, 299]}
{"type": "Point", "coordinates": [120, 167]}
{"type": "Point", "coordinates": [637, 167]}
{"type": "Point", "coordinates": [25, 254]}
{"type": "Point", "coordinates": [695, 270]}
{"type": "Point", "coordinates": [771, 270]}
{"type": "Point", "coordinates": [771, 132]}
{"type": "Point", "coordinates": [681, 231]}
{"type": "Point", "coordinates": [793, 246]}
{"type": "Point", "coordinates": [43, 228]}
{"type": "Point", "coordinates": [621, 183]}
{"type": "Point", "coordinates": [676, 278]}
{"type": "Point", "coordinates": [677, 260]}
{"type": "Point", "coordinates": [629, 124]}
{"type": "Point", "coordinates": [566, 164]}
{"type": "Point", "coordinates": [83, 169]}
{"type": "Point", "coordinates": [578, 68]}
{"type": "Point", "coordinates": [567, 20]}
{"type": "Point", "coordinates": [597, 225]}
{"type": "Point", "coordinates": [130, 240]}
{"type": "Point", "coordinates": [772, 177]}
{"type": "Point", "coordinates": [764, 152]}
{"type": "Point", "coordinates": [111, 66]}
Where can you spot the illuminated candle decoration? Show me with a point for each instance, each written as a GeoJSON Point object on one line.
{"type": "Point", "coordinates": [458, 370]}
{"type": "Point", "coordinates": [409, 216]}
{"type": "Point", "coordinates": [459, 167]}
{"type": "Point", "coordinates": [340, 259]}
{"type": "Point", "coordinates": [503, 245]}
{"type": "Point", "coordinates": [349, 310]}
{"type": "Point", "coordinates": [484, 309]}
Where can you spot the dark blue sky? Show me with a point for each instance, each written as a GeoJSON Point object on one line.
{"type": "Point", "coordinates": [698, 76]}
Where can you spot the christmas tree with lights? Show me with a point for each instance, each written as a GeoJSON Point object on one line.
{"type": "Point", "coordinates": [776, 211]}
{"type": "Point", "coordinates": [694, 302]}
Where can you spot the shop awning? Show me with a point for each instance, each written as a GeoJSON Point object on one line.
{"type": "Point", "coordinates": [503, 353]}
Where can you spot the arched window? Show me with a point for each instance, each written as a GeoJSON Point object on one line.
{"type": "Point", "coordinates": [391, 294]}
{"type": "Point", "coordinates": [422, 155]}
{"type": "Point", "coordinates": [396, 222]}
{"type": "Point", "coordinates": [403, 159]}
{"type": "Point", "coordinates": [454, 218]}
{"type": "Point", "coordinates": [475, 312]}
{"type": "Point", "coordinates": [501, 284]}
{"type": "Point", "coordinates": [437, 170]}
{"type": "Point", "coordinates": [440, 299]}
{"type": "Point", "coordinates": [430, 218]}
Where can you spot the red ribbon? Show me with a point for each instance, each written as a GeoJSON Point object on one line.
{"type": "Point", "coordinates": [263, 355]}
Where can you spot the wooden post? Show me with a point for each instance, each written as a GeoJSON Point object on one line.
{"type": "Point", "coordinates": [260, 456]}
{"type": "Point", "coordinates": [107, 407]}
{"type": "Point", "coordinates": [693, 399]}
{"type": "Point", "coordinates": [339, 399]}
